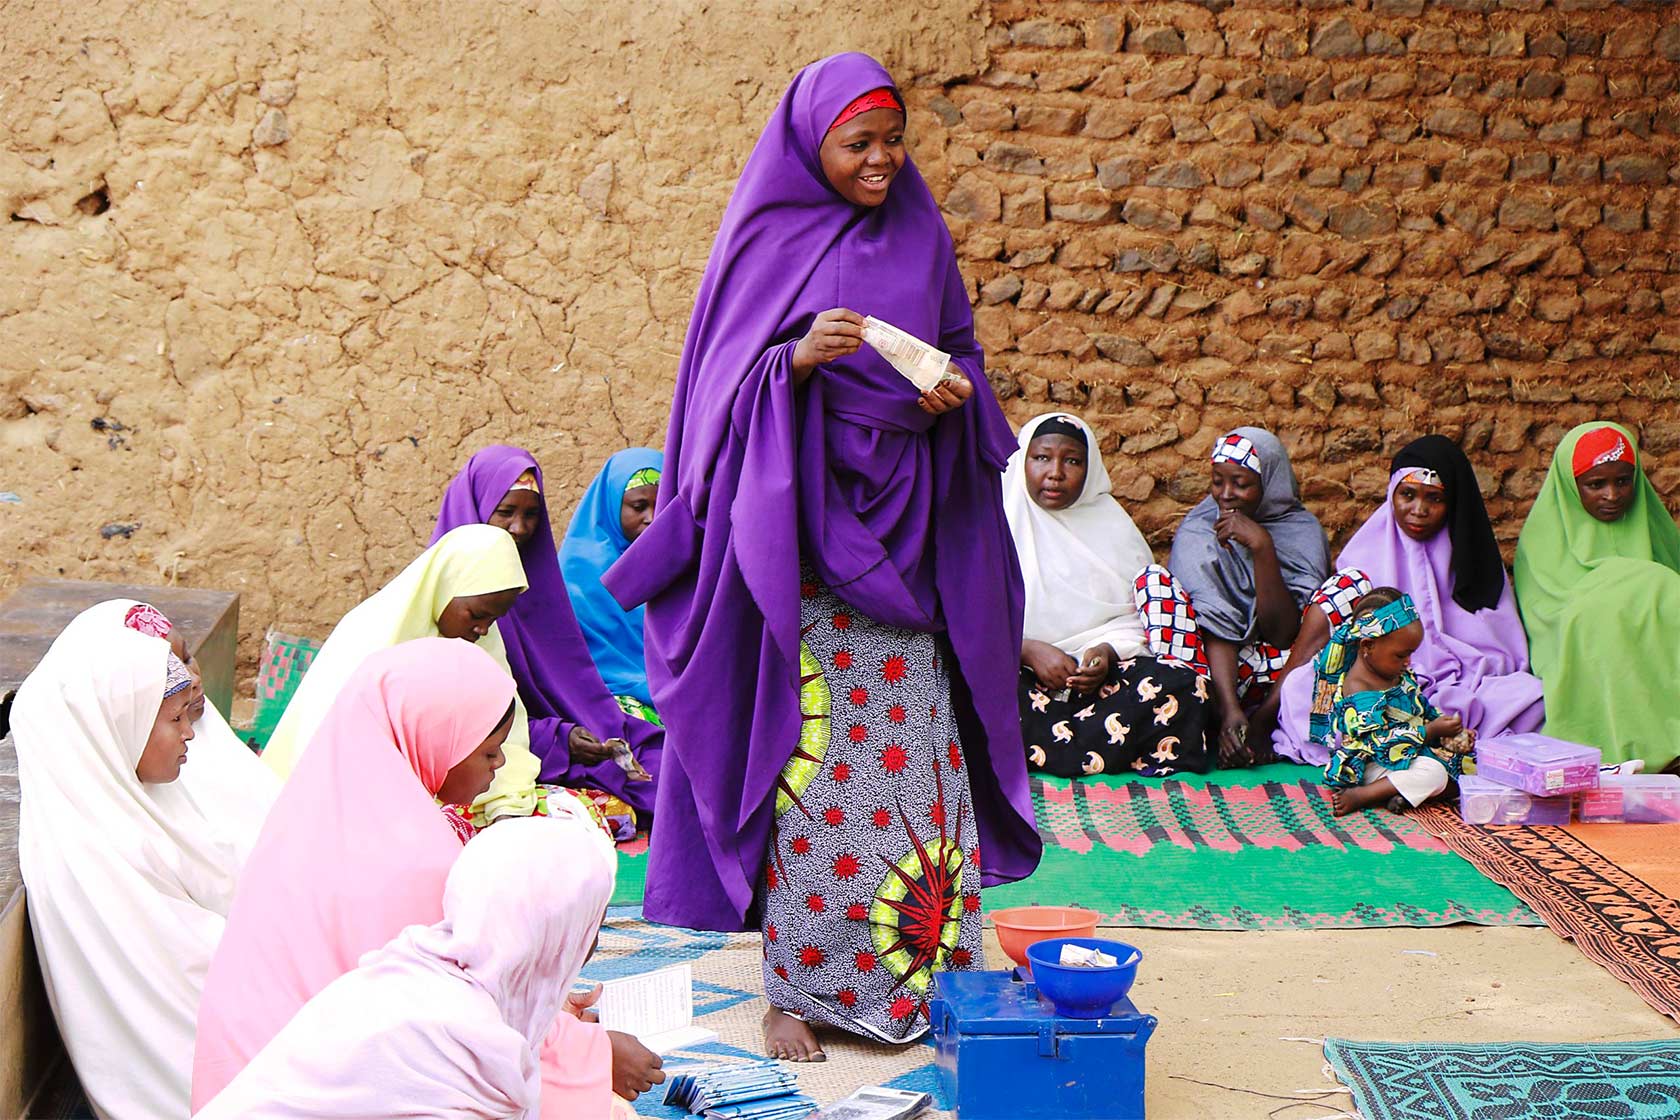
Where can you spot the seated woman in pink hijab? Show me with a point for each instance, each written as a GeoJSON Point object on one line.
{"type": "Point", "coordinates": [357, 846]}
{"type": "Point", "coordinates": [449, 1019]}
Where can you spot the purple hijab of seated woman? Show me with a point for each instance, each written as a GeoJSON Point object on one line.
{"type": "Point", "coordinates": [557, 678]}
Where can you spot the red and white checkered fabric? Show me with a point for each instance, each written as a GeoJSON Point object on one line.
{"type": "Point", "coordinates": [1169, 621]}
{"type": "Point", "coordinates": [1337, 595]}
{"type": "Point", "coordinates": [1239, 450]}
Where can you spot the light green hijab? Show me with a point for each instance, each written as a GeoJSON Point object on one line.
{"type": "Point", "coordinates": [1601, 603]}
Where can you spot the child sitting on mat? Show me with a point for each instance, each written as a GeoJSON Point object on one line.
{"type": "Point", "coordinates": [1388, 743]}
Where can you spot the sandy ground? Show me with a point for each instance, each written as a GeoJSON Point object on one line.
{"type": "Point", "coordinates": [1229, 1005]}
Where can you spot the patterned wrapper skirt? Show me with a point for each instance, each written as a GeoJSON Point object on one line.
{"type": "Point", "coordinates": [873, 877]}
{"type": "Point", "coordinates": [1149, 717]}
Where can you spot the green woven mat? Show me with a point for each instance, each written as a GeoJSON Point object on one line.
{"type": "Point", "coordinates": [632, 873]}
{"type": "Point", "coordinates": [1245, 849]}
{"type": "Point", "coordinates": [284, 661]}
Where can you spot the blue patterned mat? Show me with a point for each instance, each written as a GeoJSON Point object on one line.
{"type": "Point", "coordinates": [1510, 1080]}
{"type": "Point", "coordinates": [728, 998]}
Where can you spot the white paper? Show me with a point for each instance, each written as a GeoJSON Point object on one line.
{"type": "Point", "coordinates": [1077, 956]}
{"type": "Point", "coordinates": [876, 1103]}
{"type": "Point", "coordinates": [922, 365]}
{"type": "Point", "coordinates": [656, 1007]}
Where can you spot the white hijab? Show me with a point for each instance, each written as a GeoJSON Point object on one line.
{"type": "Point", "coordinates": [448, 1020]}
{"type": "Point", "coordinates": [128, 884]}
{"type": "Point", "coordinates": [1079, 563]}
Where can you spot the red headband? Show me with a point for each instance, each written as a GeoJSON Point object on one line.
{"type": "Point", "coordinates": [1600, 446]}
{"type": "Point", "coordinates": [883, 98]}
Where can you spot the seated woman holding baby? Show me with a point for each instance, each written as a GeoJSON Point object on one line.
{"type": "Point", "coordinates": [1093, 699]}
{"type": "Point", "coordinates": [1433, 540]}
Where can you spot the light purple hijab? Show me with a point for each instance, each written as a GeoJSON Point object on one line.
{"type": "Point", "coordinates": [1472, 664]}
{"type": "Point", "coordinates": [898, 512]}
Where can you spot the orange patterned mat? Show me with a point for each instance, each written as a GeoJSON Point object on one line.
{"type": "Point", "coordinates": [1612, 889]}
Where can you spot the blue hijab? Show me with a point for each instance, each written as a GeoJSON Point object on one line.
{"type": "Point", "coordinates": [594, 541]}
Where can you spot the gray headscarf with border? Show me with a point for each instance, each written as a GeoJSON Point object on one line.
{"type": "Point", "coordinates": [1220, 580]}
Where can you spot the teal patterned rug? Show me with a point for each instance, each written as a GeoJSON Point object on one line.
{"type": "Point", "coordinates": [1510, 1080]}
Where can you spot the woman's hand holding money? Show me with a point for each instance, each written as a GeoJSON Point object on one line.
{"type": "Point", "coordinates": [946, 395]}
{"type": "Point", "coordinates": [835, 333]}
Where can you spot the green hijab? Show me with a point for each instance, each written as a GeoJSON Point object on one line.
{"type": "Point", "coordinates": [1562, 544]}
{"type": "Point", "coordinates": [1600, 602]}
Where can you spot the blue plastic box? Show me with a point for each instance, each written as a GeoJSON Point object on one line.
{"type": "Point", "coordinates": [1004, 1054]}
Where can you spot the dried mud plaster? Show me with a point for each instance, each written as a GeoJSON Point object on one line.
{"type": "Point", "coordinates": [269, 273]}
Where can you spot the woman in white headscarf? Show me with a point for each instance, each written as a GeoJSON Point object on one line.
{"type": "Point", "coordinates": [134, 826]}
{"type": "Point", "coordinates": [1093, 699]}
{"type": "Point", "coordinates": [448, 1020]}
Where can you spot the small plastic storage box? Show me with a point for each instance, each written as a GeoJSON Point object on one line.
{"type": "Point", "coordinates": [1004, 1053]}
{"type": "Point", "coordinates": [1539, 765]}
{"type": "Point", "coordinates": [1635, 798]}
{"type": "Point", "coordinates": [1484, 801]}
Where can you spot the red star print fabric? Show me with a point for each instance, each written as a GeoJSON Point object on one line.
{"type": "Point", "coordinates": [873, 883]}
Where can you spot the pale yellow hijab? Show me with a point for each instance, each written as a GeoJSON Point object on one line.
{"type": "Point", "coordinates": [470, 560]}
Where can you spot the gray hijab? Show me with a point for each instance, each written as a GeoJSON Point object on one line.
{"type": "Point", "coordinates": [1220, 580]}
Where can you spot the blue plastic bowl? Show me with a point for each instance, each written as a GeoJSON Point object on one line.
{"type": "Point", "coordinates": [1083, 993]}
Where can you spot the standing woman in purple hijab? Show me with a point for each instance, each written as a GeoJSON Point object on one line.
{"type": "Point", "coordinates": [834, 607]}
{"type": "Point", "coordinates": [572, 714]}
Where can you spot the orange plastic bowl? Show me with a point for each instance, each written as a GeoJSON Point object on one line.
{"type": "Point", "coordinates": [1020, 926]}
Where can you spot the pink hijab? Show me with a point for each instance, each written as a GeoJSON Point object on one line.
{"type": "Point", "coordinates": [448, 1020]}
{"type": "Point", "coordinates": [354, 850]}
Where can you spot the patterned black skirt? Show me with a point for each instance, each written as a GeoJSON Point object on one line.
{"type": "Point", "coordinates": [1148, 717]}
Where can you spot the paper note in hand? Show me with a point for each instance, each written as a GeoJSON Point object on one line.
{"type": "Point", "coordinates": [922, 365]}
{"type": "Point", "coordinates": [627, 761]}
{"type": "Point", "coordinates": [657, 1007]}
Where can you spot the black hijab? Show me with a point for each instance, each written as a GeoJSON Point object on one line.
{"type": "Point", "coordinates": [1478, 570]}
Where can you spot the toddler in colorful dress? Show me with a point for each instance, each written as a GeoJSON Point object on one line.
{"type": "Point", "coordinates": [1388, 743]}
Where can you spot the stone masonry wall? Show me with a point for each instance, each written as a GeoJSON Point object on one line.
{"type": "Point", "coordinates": [1352, 222]}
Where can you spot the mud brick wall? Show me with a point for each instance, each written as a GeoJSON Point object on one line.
{"type": "Point", "coordinates": [1350, 222]}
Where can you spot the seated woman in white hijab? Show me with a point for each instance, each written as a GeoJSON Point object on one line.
{"type": "Point", "coordinates": [447, 1020]}
{"type": "Point", "coordinates": [133, 828]}
{"type": "Point", "coordinates": [1093, 700]}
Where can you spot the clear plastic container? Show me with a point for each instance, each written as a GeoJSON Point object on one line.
{"type": "Point", "coordinates": [1539, 765]}
{"type": "Point", "coordinates": [1484, 801]}
{"type": "Point", "coordinates": [1633, 798]}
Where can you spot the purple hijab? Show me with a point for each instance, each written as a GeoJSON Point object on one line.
{"type": "Point", "coordinates": [557, 678]}
{"type": "Point", "coordinates": [1472, 664]}
{"type": "Point", "coordinates": [898, 512]}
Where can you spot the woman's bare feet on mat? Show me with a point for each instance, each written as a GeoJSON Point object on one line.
{"type": "Point", "coordinates": [1347, 801]}
{"type": "Point", "coordinates": [790, 1039]}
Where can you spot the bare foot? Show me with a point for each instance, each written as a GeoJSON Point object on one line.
{"type": "Point", "coordinates": [1347, 801]}
{"type": "Point", "coordinates": [1397, 804]}
{"type": "Point", "coordinates": [790, 1039]}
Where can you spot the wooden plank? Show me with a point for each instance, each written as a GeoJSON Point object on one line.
{"type": "Point", "coordinates": [37, 611]}
{"type": "Point", "coordinates": [30, 1049]}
